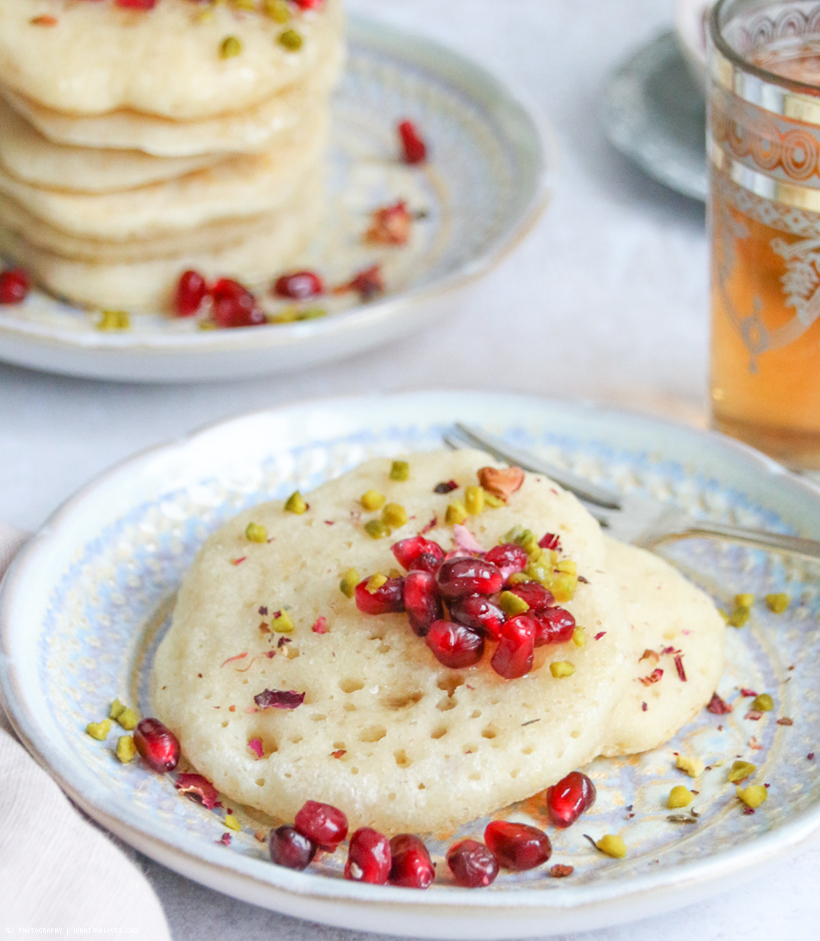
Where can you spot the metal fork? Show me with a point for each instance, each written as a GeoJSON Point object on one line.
{"type": "Point", "coordinates": [637, 518]}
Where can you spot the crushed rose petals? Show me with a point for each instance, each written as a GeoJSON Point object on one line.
{"type": "Point", "coordinates": [263, 611]}
{"type": "Point", "coordinates": [195, 785]}
{"type": "Point", "coordinates": [600, 634]}
{"type": "Point", "coordinates": [679, 668]}
{"type": "Point", "coordinates": [390, 225]}
{"type": "Point", "coordinates": [644, 707]}
{"type": "Point", "coordinates": [282, 642]}
{"type": "Point", "coordinates": [650, 655]}
{"type": "Point", "coordinates": [785, 721]}
{"type": "Point", "coordinates": [653, 677]}
{"type": "Point", "coordinates": [748, 692]}
{"type": "Point", "coordinates": [279, 699]}
{"type": "Point", "coordinates": [255, 745]}
{"type": "Point", "coordinates": [753, 715]}
{"type": "Point", "coordinates": [810, 756]}
{"type": "Point", "coordinates": [239, 656]}
{"type": "Point", "coordinates": [338, 754]}
{"type": "Point", "coordinates": [368, 283]}
{"type": "Point", "coordinates": [559, 871]}
{"type": "Point", "coordinates": [238, 561]}
{"type": "Point", "coordinates": [44, 20]}
{"type": "Point", "coordinates": [320, 627]}
{"type": "Point", "coordinates": [464, 539]}
{"type": "Point", "coordinates": [225, 839]}
{"type": "Point", "coordinates": [718, 706]}
{"type": "Point", "coordinates": [445, 487]}
{"type": "Point", "coordinates": [263, 627]}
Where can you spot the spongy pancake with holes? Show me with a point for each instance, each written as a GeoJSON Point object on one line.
{"type": "Point", "coordinates": [386, 733]}
{"type": "Point", "coordinates": [664, 611]}
{"type": "Point", "coordinates": [99, 57]}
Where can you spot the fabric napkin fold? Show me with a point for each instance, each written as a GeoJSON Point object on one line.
{"type": "Point", "coordinates": [58, 870]}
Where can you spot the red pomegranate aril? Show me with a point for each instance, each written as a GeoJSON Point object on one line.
{"type": "Point", "coordinates": [385, 600]}
{"type": "Point", "coordinates": [324, 824]}
{"type": "Point", "coordinates": [555, 626]}
{"type": "Point", "coordinates": [479, 614]}
{"type": "Point", "coordinates": [509, 558]}
{"type": "Point", "coordinates": [426, 562]}
{"type": "Point", "coordinates": [234, 305]}
{"type": "Point", "coordinates": [14, 286]}
{"type": "Point", "coordinates": [407, 551]}
{"type": "Point", "coordinates": [454, 645]}
{"type": "Point", "coordinates": [411, 865]}
{"type": "Point", "coordinates": [157, 744]}
{"type": "Point", "coordinates": [517, 845]}
{"type": "Point", "coordinates": [569, 798]}
{"type": "Point", "coordinates": [537, 597]}
{"type": "Point", "coordinates": [368, 859]}
{"type": "Point", "coordinates": [514, 654]}
{"type": "Point", "coordinates": [459, 553]}
{"type": "Point", "coordinates": [288, 847]}
{"type": "Point", "coordinates": [421, 601]}
{"type": "Point", "coordinates": [414, 148]}
{"type": "Point", "coordinates": [457, 578]}
{"type": "Point", "coordinates": [191, 292]}
{"type": "Point", "coordinates": [473, 865]}
{"type": "Point", "coordinates": [299, 286]}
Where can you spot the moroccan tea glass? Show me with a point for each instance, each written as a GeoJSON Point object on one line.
{"type": "Point", "coordinates": [764, 220]}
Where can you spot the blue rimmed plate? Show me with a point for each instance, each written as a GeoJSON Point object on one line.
{"type": "Point", "coordinates": [85, 604]}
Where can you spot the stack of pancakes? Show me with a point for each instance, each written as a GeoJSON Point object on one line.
{"type": "Point", "coordinates": [135, 144]}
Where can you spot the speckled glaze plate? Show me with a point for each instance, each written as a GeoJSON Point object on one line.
{"type": "Point", "coordinates": [488, 178]}
{"type": "Point", "coordinates": [86, 603]}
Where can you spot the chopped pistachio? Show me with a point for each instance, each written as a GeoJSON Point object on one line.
{"type": "Point", "coordinates": [400, 470]}
{"type": "Point", "coordinates": [579, 637]}
{"type": "Point", "coordinates": [763, 703]}
{"type": "Point", "coordinates": [126, 749]}
{"type": "Point", "coordinates": [128, 719]}
{"type": "Point", "coordinates": [244, 4]}
{"type": "Point", "coordinates": [289, 314]}
{"type": "Point", "coordinates": [256, 533]}
{"type": "Point", "coordinates": [312, 313]}
{"type": "Point", "coordinates": [349, 581]}
{"type": "Point", "coordinates": [561, 669]}
{"type": "Point", "coordinates": [739, 616]}
{"type": "Point", "coordinates": [283, 624]}
{"type": "Point", "coordinates": [372, 500]}
{"type": "Point", "coordinates": [754, 795]}
{"type": "Point", "coordinates": [394, 515]}
{"type": "Point", "coordinates": [567, 566]}
{"type": "Point", "coordinates": [537, 573]}
{"type": "Point", "coordinates": [511, 604]}
{"type": "Point", "coordinates": [474, 500]}
{"type": "Point", "coordinates": [456, 513]}
{"type": "Point", "coordinates": [518, 578]}
{"type": "Point", "coordinates": [741, 770]}
{"type": "Point", "coordinates": [277, 10]}
{"type": "Point", "coordinates": [375, 582]}
{"type": "Point", "coordinates": [511, 535]}
{"type": "Point", "coordinates": [113, 320]}
{"type": "Point", "coordinates": [99, 730]}
{"type": "Point", "coordinates": [612, 845]}
{"type": "Point", "coordinates": [117, 709]}
{"type": "Point", "coordinates": [492, 500]}
{"type": "Point", "coordinates": [206, 325]}
{"type": "Point", "coordinates": [679, 796]}
{"type": "Point", "coordinates": [230, 47]}
{"type": "Point", "coordinates": [394, 573]}
{"type": "Point", "coordinates": [296, 504]}
{"type": "Point", "coordinates": [745, 600]}
{"type": "Point", "coordinates": [376, 529]}
{"type": "Point", "coordinates": [563, 586]}
{"type": "Point", "coordinates": [724, 615]}
{"type": "Point", "coordinates": [291, 40]}
{"type": "Point", "coordinates": [232, 823]}
{"type": "Point", "coordinates": [694, 767]}
{"type": "Point", "coordinates": [777, 603]}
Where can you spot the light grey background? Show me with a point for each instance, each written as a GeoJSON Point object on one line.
{"type": "Point", "coordinates": [606, 300]}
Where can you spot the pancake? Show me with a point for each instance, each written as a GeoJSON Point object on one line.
{"type": "Point", "coordinates": [386, 733]}
{"type": "Point", "coordinates": [665, 612]}
{"type": "Point", "coordinates": [100, 58]}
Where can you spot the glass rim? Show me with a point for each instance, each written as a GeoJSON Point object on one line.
{"type": "Point", "coordinates": [737, 60]}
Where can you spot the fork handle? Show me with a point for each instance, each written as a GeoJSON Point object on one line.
{"type": "Point", "coordinates": [756, 538]}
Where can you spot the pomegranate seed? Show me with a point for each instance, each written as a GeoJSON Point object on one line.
{"type": "Point", "coordinates": [421, 601]}
{"type": "Point", "coordinates": [517, 845]}
{"type": "Point", "coordinates": [514, 654]}
{"type": "Point", "coordinates": [385, 600]}
{"type": "Point", "coordinates": [137, 4]}
{"type": "Point", "coordinates": [569, 798]}
{"type": "Point", "coordinates": [509, 558]}
{"type": "Point", "coordinates": [454, 645]}
{"type": "Point", "coordinates": [299, 286]}
{"type": "Point", "coordinates": [555, 626]}
{"type": "Point", "coordinates": [472, 864]}
{"type": "Point", "coordinates": [191, 292]}
{"type": "Point", "coordinates": [411, 865]}
{"type": "Point", "coordinates": [288, 847]}
{"type": "Point", "coordinates": [414, 148]}
{"type": "Point", "coordinates": [324, 824]}
{"type": "Point", "coordinates": [14, 286]}
{"type": "Point", "coordinates": [426, 562]}
{"type": "Point", "coordinates": [234, 305]}
{"type": "Point", "coordinates": [536, 596]}
{"type": "Point", "coordinates": [368, 859]}
{"type": "Point", "coordinates": [479, 614]}
{"type": "Point", "coordinates": [157, 744]}
{"type": "Point", "coordinates": [408, 550]}
{"type": "Point", "coordinates": [550, 541]}
{"type": "Point", "coordinates": [468, 576]}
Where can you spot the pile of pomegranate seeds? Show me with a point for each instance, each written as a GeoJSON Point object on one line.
{"type": "Point", "coordinates": [14, 286]}
{"type": "Point", "coordinates": [468, 587]}
{"type": "Point", "coordinates": [317, 827]}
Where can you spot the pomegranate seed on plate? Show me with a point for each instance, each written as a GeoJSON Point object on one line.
{"type": "Point", "coordinates": [514, 655]}
{"type": "Point", "coordinates": [191, 292]}
{"type": "Point", "coordinates": [509, 558]}
{"type": "Point", "coordinates": [411, 865]}
{"type": "Point", "coordinates": [414, 148]}
{"type": "Point", "coordinates": [385, 600]}
{"type": "Point", "coordinates": [407, 551]}
{"type": "Point", "coordinates": [324, 824]}
{"type": "Point", "coordinates": [454, 645]}
{"type": "Point", "coordinates": [473, 865]}
{"type": "Point", "coordinates": [517, 845]}
{"type": "Point", "coordinates": [157, 744]}
{"type": "Point", "coordinates": [569, 798]}
{"type": "Point", "coordinates": [468, 576]}
{"type": "Point", "coordinates": [234, 305]}
{"type": "Point", "coordinates": [536, 596]}
{"type": "Point", "coordinates": [421, 601]}
{"type": "Point", "coordinates": [299, 286]}
{"type": "Point", "coordinates": [479, 614]}
{"type": "Point", "coordinates": [14, 286]}
{"type": "Point", "coordinates": [368, 859]}
{"type": "Point", "coordinates": [555, 626]}
{"type": "Point", "coordinates": [288, 847]}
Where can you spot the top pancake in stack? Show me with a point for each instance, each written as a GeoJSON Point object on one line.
{"type": "Point", "coordinates": [136, 143]}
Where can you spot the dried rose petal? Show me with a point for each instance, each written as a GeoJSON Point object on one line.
{"type": "Point", "coordinates": [559, 871]}
{"type": "Point", "coordinates": [279, 699]}
{"type": "Point", "coordinates": [320, 627]}
{"type": "Point", "coordinates": [501, 483]}
{"type": "Point", "coordinates": [195, 785]}
{"type": "Point", "coordinates": [653, 677]}
{"type": "Point", "coordinates": [679, 668]}
{"type": "Point", "coordinates": [649, 655]}
{"type": "Point", "coordinates": [390, 225]}
{"type": "Point", "coordinates": [255, 745]}
{"type": "Point", "coordinates": [718, 706]}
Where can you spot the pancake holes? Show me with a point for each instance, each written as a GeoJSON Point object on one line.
{"type": "Point", "coordinates": [384, 648]}
{"type": "Point", "coordinates": [475, 776]}
{"type": "Point", "coordinates": [403, 700]}
{"type": "Point", "coordinates": [440, 731]}
{"type": "Point", "coordinates": [288, 774]}
{"type": "Point", "coordinates": [373, 734]}
{"type": "Point", "coordinates": [446, 704]}
{"type": "Point", "coordinates": [469, 749]}
{"type": "Point", "coordinates": [526, 751]}
{"type": "Point", "coordinates": [422, 787]}
{"type": "Point", "coordinates": [245, 682]}
{"type": "Point", "coordinates": [351, 686]}
{"type": "Point", "coordinates": [575, 733]}
{"type": "Point", "coordinates": [208, 695]}
{"type": "Point", "coordinates": [339, 746]}
{"type": "Point", "coordinates": [260, 782]}
{"type": "Point", "coordinates": [354, 770]}
{"type": "Point", "coordinates": [317, 717]}
{"type": "Point", "coordinates": [224, 725]}
{"type": "Point", "coordinates": [515, 772]}
{"type": "Point", "coordinates": [450, 683]}
{"type": "Point", "coordinates": [349, 707]}
{"type": "Point", "coordinates": [296, 739]}
{"type": "Point", "coordinates": [401, 759]}
{"type": "Point", "coordinates": [475, 714]}
{"type": "Point", "coordinates": [495, 702]}
{"type": "Point", "coordinates": [291, 652]}
{"type": "Point", "coordinates": [489, 732]}
{"type": "Point", "coordinates": [391, 797]}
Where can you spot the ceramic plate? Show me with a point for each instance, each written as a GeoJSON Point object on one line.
{"type": "Point", "coordinates": [85, 605]}
{"type": "Point", "coordinates": [487, 180]}
{"type": "Point", "coordinates": [654, 113]}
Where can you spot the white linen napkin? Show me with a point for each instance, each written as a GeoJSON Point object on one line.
{"type": "Point", "coordinates": [57, 870]}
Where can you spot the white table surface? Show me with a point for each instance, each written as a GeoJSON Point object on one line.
{"type": "Point", "coordinates": [606, 300]}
